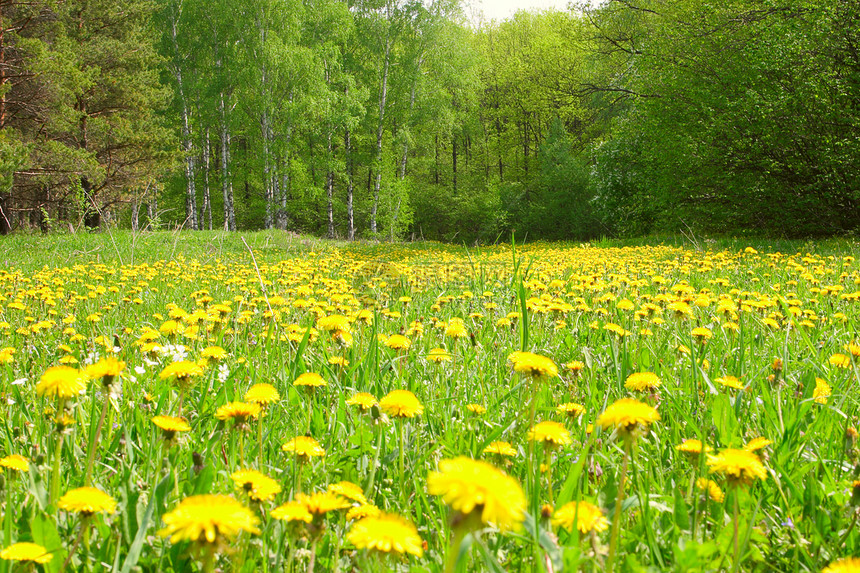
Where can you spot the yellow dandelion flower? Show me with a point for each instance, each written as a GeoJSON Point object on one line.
{"type": "Point", "coordinates": [401, 404]}
{"type": "Point", "coordinates": [476, 409]}
{"type": "Point", "coordinates": [500, 449]}
{"type": "Point", "coordinates": [533, 365]}
{"type": "Point", "coordinates": [439, 355]}
{"type": "Point", "coordinates": [15, 462]}
{"type": "Point", "coordinates": [170, 426]}
{"type": "Point", "coordinates": [386, 533]}
{"type": "Point", "coordinates": [258, 486]}
{"type": "Point", "coordinates": [757, 444]}
{"type": "Point", "coordinates": [7, 355]}
{"type": "Point", "coordinates": [570, 409]}
{"type": "Point", "coordinates": [362, 511]}
{"type": "Point", "coordinates": [310, 380]}
{"type": "Point", "coordinates": [62, 381]}
{"type": "Point", "coordinates": [848, 565]}
{"type": "Point", "coordinates": [627, 414]}
{"type": "Point", "coordinates": [739, 466]}
{"type": "Point", "coordinates": [182, 371]}
{"type": "Point", "coordinates": [334, 323]}
{"type": "Point", "coordinates": [87, 501]}
{"type": "Point", "coordinates": [585, 516]}
{"type": "Point", "coordinates": [262, 394]}
{"type": "Point", "coordinates": [731, 382]}
{"type": "Point", "coordinates": [693, 448]}
{"type": "Point", "coordinates": [363, 400]}
{"type": "Point", "coordinates": [322, 502]}
{"type": "Point", "coordinates": [642, 382]}
{"type": "Point", "coordinates": [292, 511]}
{"type": "Point", "coordinates": [468, 485]}
{"type": "Point", "coordinates": [26, 553]}
{"type": "Point", "coordinates": [712, 488]}
{"type": "Point", "coordinates": [105, 369]}
{"type": "Point", "coordinates": [575, 366]}
{"type": "Point", "coordinates": [398, 342]}
{"type": "Point", "coordinates": [840, 361]}
{"type": "Point", "coordinates": [822, 391]}
{"type": "Point", "coordinates": [348, 490]}
{"type": "Point", "coordinates": [239, 412]}
{"type": "Point", "coordinates": [209, 518]}
{"type": "Point", "coordinates": [304, 448]}
{"type": "Point", "coordinates": [214, 353]}
{"type": "Point", "coordinates": [550, 433]}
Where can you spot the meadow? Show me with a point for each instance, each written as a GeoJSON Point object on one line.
{"type": "Point", "coordinates": [212, 402]}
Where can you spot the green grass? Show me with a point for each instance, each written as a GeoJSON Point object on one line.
{"type": "Point", "coordinates": [120, 287]}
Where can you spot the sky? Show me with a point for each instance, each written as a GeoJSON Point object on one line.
{"type": "Point", "coordinates": [503, 9]}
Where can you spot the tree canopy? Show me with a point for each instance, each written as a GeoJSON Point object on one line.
{"type": "Point", "coordinates": [400, 118]}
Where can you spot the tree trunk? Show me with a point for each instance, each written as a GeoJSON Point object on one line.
{"type": "Point", "coordinates": [329, 186]}
{"type": "Point", "coordinates": [383, 96]}
{"type": "Point", "coordinates": [226, 180]}
{"type": "Point", "coordinates": [206, 214]}
{"type": "Point", "coordinates": [349, 187]}
{"type": "Point", "coordinates": [187, 143]}
{"type": "Point", "coordinates": [454, 163]}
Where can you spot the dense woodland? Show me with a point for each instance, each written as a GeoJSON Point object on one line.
{"type": "Point", "coordinates": [404, 119]}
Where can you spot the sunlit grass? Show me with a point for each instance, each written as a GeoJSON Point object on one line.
{"type": "Point", "coordinates": [386, 360]}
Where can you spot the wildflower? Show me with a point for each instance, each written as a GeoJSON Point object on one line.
{"type": "Point", "coordinates": [702, 334]}
{"type": "Point", "coordinates": [62, 381]}
{"type": "Point", "coordinates": [500, 449]}
{"type": "Point", "coordinates": [87, 501]}
{"type": "Point", "coordinates": [182, 371]}
{"type": "Point", "coordinates": [7, 355]}
{"type": "Point", "coordinates": [362, 511]}
{"type": "Point", "coordinates": [586, 517]}
{"type": "Point", "coordinates": [533, 365]}
{"type": "Point", "coordinates": [693, 448]}
{"type": "Point", "coordinates": [292, 511]}
{"type": "Point", "coordinates": [439, 355]}
{"type": "Point", "coordinates": [575, 367]}
{"type": "Point", "coordinates": [239, 412]}
{"type": "Point", "coordinates": [214, 354]}
{"type": "Point", "coordinates": [310, 380]}
{"type": "Point", "coordinates": [739, 466]}
{"type": "Point", "coordinates": [822, 391]}
{"type": "Point", "coordinates": [476, 409]}
{"type": "Point", "coordinates": [711, 488]}
{"type": "Point", "coordinates": [456, 329]}
{"type": "Point", "coordinates": [398, 342]}
{"type": "Point", "coordinates": [304, 448]}
{"type": "Point", "coordinates": [334, 323]}
{"type": "Point", "coordinates": [170, 426]}
{"type": "Point", "coordinates": [322, 502]}
{"type": "Point", "coordinates": [731, 382]}
{"type": "Point", "coordinates": [106, 369]}
{"type": "Point", "coordinates": [551, 434]}
{"type": "Point", "coordinates": [363, 400]}
{"type": "Point", "coordinates": [473, 486]}
{"type": "Point", "coordinates": [401, 404]}
{"type": "Point", "coordinates": [348, 490]}
{"type": "Point", "coordinates": [840, 361]}
{"type": "Point", "coordinates": [26, 553]}
{"type": "Point", "coordinates": [262, 394]}
{"type": "Point", "coordinates": [208, 519]}
{"type": "Point", "coordinates": [757, 444]}
{"type": "Point", "coordinates": [386, 533]}
{"type": "Point", "coordinates": [848, 565]}
{"type": "Point", "coordinates": [642, 382]}
{"type": "Point", "coordinates": [570, 409]}
{"type": "Point", "coordinates": [259, 486]}
{"type": "Point", "coordinates": [15, 462]}
{"type": "Point", "coordinates": [626, 414]}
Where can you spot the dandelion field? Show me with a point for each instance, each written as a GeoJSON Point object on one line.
{"type": "Point", "coordinates": [201, 405]}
